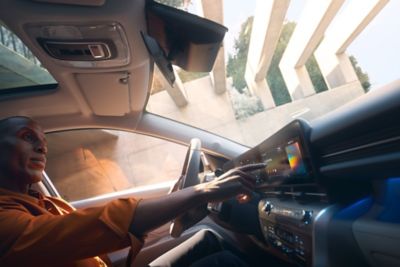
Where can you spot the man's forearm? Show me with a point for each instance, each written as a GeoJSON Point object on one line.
{"type": "Point", "coordinates": [152, 213]}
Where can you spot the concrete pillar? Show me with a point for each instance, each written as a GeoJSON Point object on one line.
{"type": "Point", "coordinates": [315, 18]}
{"type": "Point", "coordinates": [213, 10]}
{"type": "Point", "coordinates": [330, 55]}
{"type": "Point", "coordinates": [176, 92]}
{"type": "Point", "coordinates": [267, 26]}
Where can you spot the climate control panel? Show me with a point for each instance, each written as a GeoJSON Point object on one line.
{"type": "Point", "coordinates": [287, 228]}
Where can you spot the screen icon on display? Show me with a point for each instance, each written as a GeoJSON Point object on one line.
{"type": "Point", "coordinates": [295, 160]}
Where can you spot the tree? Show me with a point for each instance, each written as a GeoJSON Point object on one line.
{"type": "Point", "coordinates": [236, 66]}
{"type": "Point", "coordinates": [315, 75]}
{"type": "Point", "coordinates": [237, 63]}
{"type": "Point", "coordinates": [362, 76]}
{"type": "Point", "coordinates": [274, 77]}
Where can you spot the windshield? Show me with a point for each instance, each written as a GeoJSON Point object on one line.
{"type": "Point", "coordinates": [19, 68]}
{"type": "Point", "coordinates": [281, 61]}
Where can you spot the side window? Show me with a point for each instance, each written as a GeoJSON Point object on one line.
{"type": "Point", "coordinates": [88, 163]}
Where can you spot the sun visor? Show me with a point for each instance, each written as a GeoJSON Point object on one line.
{"type": "Point", "coordinates": [183, 39]}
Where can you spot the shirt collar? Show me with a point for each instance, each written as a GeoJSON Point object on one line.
{"type": "Point", "coordinates": [32, 195]}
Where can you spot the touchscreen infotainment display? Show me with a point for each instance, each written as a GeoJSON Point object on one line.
{"type": "Point", "coordinates": [285, 156]}
{"type": "Point", "coordinates": [295, 159]}
{"type": "Point", "coordinates": [285, 160]}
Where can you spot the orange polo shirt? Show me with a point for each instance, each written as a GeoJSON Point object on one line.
{"type": "Point", "coordinates": [46, 231]}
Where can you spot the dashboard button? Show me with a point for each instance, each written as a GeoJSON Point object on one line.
{"type": "Point", "coordinates": [267, 208]}
{"type": "Point", "coordinates": [307, 216]}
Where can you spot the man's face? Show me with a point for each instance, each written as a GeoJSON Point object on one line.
{"type": "Point", "coordinates": [23, 150]}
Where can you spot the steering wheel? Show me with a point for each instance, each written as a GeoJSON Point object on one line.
{"type": "Point", "coordinates": [189, 177]}
{"type": "Point", "coordinates": [191, 165]}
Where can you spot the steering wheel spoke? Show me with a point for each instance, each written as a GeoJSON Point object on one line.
{"type": "Point", "coordinates": [189, 177]}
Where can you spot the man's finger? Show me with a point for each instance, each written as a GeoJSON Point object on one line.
{"type": "Point", "coordinates": [252, 167]}
{"type": "Point", "coordinates": [251, 178]}
{"type": "Point", "coordinates": [249, 183]}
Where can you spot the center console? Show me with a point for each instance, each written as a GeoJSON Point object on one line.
{"type": "Point", "coordinates": [291, 199]}
{"type": "Point", "coordinates": [287, 227]}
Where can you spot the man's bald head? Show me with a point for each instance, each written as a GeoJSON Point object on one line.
{"type": "Point", "coordinates": [8, 124]}
{"type": "Point", "coordinates": [23, 150]}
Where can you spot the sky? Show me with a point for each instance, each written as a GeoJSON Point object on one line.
{"type": "Point", "coordinates": [376, 48]}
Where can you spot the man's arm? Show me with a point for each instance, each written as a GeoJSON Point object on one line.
{"type": "Point", "coordinates": [47, 239]}
{"type": "Point", "coordinates": [152, 213]}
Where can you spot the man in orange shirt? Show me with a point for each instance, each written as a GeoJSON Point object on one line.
{"type": "Point", "coordinates": [43, 231]}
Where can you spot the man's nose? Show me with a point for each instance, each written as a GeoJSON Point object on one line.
{"type": "Point", "coordinates": [41, 148]}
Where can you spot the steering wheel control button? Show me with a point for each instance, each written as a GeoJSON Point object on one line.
{"type": "Point", "coordinates": [215, 207]}
{"type": "Point", "coordinates": [218, 172]}
{"type": "Point", "coordinates": [209, 176]}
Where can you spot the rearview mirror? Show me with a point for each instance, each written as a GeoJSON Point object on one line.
{"type": "Point", "coordinates": [186, 40]}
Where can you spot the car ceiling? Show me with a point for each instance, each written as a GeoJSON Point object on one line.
{"type": "Point", "coordinates": [106, 96]}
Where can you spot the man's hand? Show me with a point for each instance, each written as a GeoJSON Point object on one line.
{"type": "Point", "coordinates": [232, 183]}
{"type": "Point", "coordinates": [152, 213]}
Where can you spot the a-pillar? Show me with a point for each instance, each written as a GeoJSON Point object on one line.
{"type": "Point", "coordinates": [213, 10]}
{"type": "Point", "coordinates": [267, 26]}
{"type": "Point", "coordinates": [331, 54]}
{"type": "Point", "coordinates": [315, 18]}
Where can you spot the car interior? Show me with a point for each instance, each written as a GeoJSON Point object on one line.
{"type": "Point", "coordinates": [328, 195]}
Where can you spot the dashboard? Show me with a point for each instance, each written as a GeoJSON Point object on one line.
{"type": "Point", "coordinates": [327, 194]}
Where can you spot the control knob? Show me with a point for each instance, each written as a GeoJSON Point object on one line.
{"type": "Point", "coordinates": [307, 216]}
{"type": "Point", "coordinates": [267, 208]}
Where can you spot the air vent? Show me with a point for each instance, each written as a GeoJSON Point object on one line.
{"type": "Point", "coordinates": [378, 142]}
{"type": "Point", "coordinates": [79, 51]}
{"type": "Point", "coordinates": [301, 193]}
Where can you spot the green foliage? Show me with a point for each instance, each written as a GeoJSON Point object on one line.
{"type": "Point", "coordinates": [275, 80]}
{"type": "Point", "coordinates": [236, 66]}
{"type": "Point", "coordinates": [315, 75]}
{"type": "Point", "coordinates": [237, 63]}
{"type": "Point", "coordinates": [244, 105]}
{"type": "Point", "coordinates": [362, 76]}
